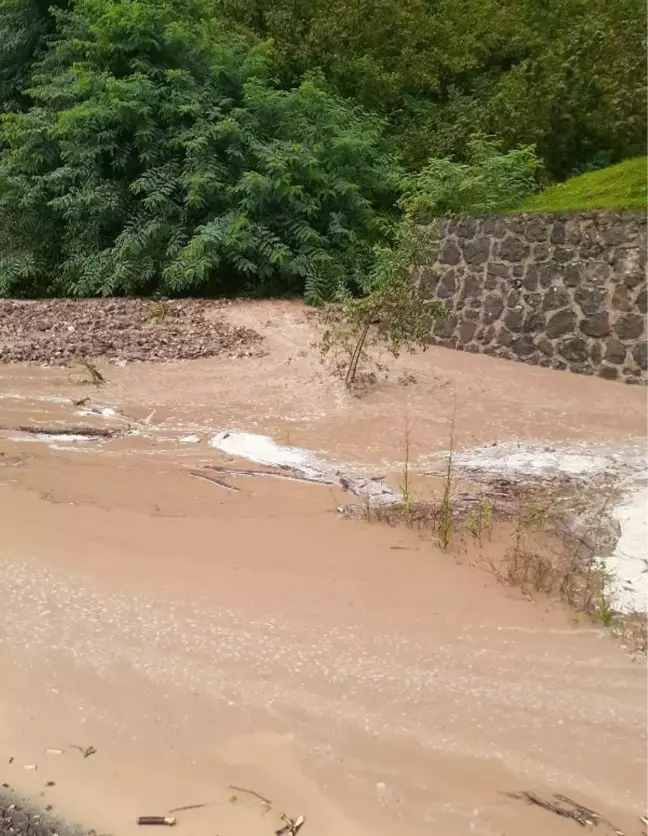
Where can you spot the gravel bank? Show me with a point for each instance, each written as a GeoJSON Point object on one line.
{"type": "Point", "coordinates": [20, 817]}
{"type": "Point", "coordinates": [58, 332]}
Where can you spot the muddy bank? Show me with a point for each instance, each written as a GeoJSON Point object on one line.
{"type": "Point", "coordinates": [60, 331]}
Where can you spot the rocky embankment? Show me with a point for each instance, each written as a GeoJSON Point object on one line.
{"type": "Point", "coordinates": [61, 331]}
{"type": "Point", "coordinates": [19, 817]}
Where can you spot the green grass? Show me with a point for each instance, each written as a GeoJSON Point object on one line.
{"type": "Point", "coordinates": [621, 186]}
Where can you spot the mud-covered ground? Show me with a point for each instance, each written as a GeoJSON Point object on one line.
{"type": "Point", "coordinates": [58, 332]}
{"type": "Point", "coordinates": [218, 647]}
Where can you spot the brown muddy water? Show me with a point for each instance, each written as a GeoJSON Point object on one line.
{"type": "Point", "coordinates": [202, 639]}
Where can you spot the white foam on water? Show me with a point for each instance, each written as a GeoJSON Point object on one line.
{"type": "Point", "coordinates": [263, 450]}
{"type": "Point", "coordinates": [530, 460]}
{"type": "Point", "coordinates": [628, 588]}
{"type": "Point", "coordinates": [47, 438]}
{"type": "Point", "coordinates": [67, 449]}
{"type": "Point", "coordinates": [628, 564]}
{"type": "Point", "coordinates": [103, 411]}
{"type": "Point", "coordinates": [64, 437]}
{"type": "Point", "coordinates": [68, 443]}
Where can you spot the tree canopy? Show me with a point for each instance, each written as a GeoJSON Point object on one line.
{"type": "Point", "coordinates": [158, 154]}
{"type": "Point", "coordinates": [268, 146]}
{"type": "Point", "coordinates": [565, 75]}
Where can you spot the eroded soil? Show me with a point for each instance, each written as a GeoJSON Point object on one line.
{"type": "Point", "coordinates": [201, 638]}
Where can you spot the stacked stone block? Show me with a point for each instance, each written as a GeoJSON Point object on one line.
{"type": "Point", "coordinates": [560, 291]}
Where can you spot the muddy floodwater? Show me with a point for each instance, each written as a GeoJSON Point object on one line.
{"type": "Point", "coordinates": [240, 651]}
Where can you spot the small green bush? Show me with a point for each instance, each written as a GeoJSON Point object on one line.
{"type": "Point", "coordinates": [491, 180]}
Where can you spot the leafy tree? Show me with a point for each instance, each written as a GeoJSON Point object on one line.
{"type": "Point", "coordinates": [24, 28]}
{"type": "Point", "coordinates": [400, 58]}
{"type": "Point", "coordinates": [158, 154]}
{"type": "Point", "coordinates": [579, 95]}
{"type": "Point", "coordinates": [390, 303]}
{"type": "Point", "coordinates": [390, 298]}
{"type": "Point", "coordinates": [568, 76]}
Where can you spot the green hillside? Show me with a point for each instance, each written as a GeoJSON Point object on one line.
{"type": "Point", "coordinates": [621, 186]}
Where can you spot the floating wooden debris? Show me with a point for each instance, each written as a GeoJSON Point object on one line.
{"type": "Point", "coordinates": [89, 432]}
{"type": "Point", "coordinates": [94, 375]}
{"type": "Point", "coordinates": [261, 798]}
{"type": "Point", "coordinates": [211, 477]}
{"type": "Point", "coordinates": [291, 826]}
{"type": "Point", "coordinates": [358, 487]}
{"type": "Point", "coordinates": [280, 472]}
{"type": "Point", "coordinates": [566, 807]}
{"type": "Point", "coordinates": [86, 752]}
{"type": "Point", "coordinates": [169, 821]}
{"type": "Point", "coordinates": [191, 807]}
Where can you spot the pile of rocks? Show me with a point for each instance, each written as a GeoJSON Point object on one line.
{"type": "Point", "coordinates": [62, 331]}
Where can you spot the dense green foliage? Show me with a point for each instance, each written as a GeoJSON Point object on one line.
{"type": "Point", "coordinates": [25, 26]}
{"type": "Point", "coordinates": [567, 76]}
{"type": "Point", "coordinates": [156, 154]}
{"type": "Point", "coordinates": [270, 146]}
{"type": "Point", "coordinates": [621, 186]}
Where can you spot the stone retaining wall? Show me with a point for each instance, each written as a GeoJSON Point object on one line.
{"type": "Point", "coordinates": [560, 291]}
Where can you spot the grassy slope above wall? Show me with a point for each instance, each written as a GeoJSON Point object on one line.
{"type": "Point", "coordinates": [621, 186]}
